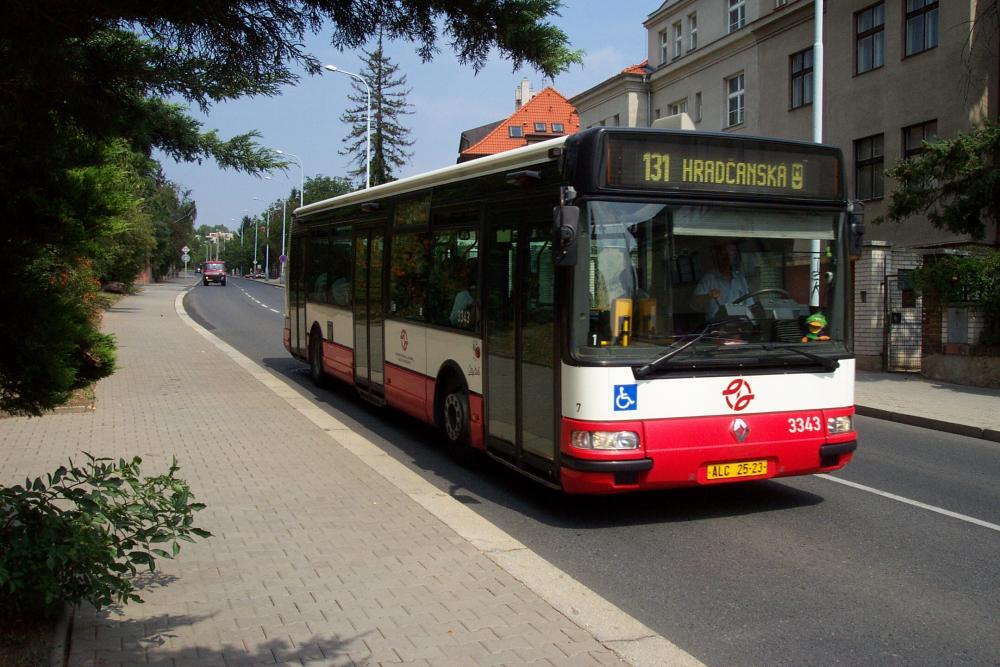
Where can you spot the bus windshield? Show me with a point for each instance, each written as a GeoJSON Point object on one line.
{"type": "Point", "coordinates": [731, 286]}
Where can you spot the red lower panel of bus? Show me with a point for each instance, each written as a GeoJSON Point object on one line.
{"type": "Point", "coordinates": [413, 393]}
{"type": "Point", "coordinates": [338, 361]}
{"type": "Point", "coordinates": [707, 450]}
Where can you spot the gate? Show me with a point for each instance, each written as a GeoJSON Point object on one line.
{"type": "Point", "coordinates": [902, 323]}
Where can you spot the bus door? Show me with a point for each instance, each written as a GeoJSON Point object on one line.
{"type": "Point", "coordinates": [521, 345]}
{"type": "Point", "coordinates": [297, 298]}
{"type": "Point", "coordinates": [369, 247]}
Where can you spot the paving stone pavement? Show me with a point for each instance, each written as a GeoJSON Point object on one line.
{"type": "Point", "coordinates": [315, 559]}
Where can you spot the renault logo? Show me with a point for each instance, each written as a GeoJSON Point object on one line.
{"type": "Point", "coordinates": [740, 430]}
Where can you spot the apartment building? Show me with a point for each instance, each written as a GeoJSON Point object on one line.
{"type": "Point", "coordinates": [896, 72]}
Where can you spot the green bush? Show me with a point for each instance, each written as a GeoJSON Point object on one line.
{"type": "Point", "coordinates": [972, 280]}
{"type": "Point", "coordinates": [83, 533]}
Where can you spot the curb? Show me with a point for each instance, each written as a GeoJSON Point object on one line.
{"type": "Point", "coordinates": [260, 282]}
{"type": "Point", "coordinates": [61, 637]}
{"type": "Point", "coordinates": [626, 637]}
{"type": "Point", "coordinates": [990, 434]}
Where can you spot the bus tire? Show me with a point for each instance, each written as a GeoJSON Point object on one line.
{"type": "Point", "coordinates": [455, 424]}
{"type": "Point", "coordinates": [316, 373]}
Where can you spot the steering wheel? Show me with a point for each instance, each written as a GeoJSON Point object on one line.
{"type": "Point", "coordinates": [769, 290]}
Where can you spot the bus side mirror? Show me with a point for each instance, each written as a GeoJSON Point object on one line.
{"type": "Point", "coordinates": [566, 225]}
{"type": "Point", "coordinates": [857, 228]}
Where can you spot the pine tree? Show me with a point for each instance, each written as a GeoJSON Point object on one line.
{"type": "Point", "coordinates": [389, 138]}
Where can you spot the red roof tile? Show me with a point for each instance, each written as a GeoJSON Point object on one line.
{"type": "Point", "coordinates": [547, 107]}
{"type": "Point", "coordinates": [636, 69]}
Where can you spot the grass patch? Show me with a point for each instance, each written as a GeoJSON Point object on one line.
{"type": "Point", "coordinates": [105, 300]}
{"type": "Point", "coordinates": [26, 642]}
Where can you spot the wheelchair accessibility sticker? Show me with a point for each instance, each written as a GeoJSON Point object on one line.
{"type": "Point", "coordinates": [626, 397]}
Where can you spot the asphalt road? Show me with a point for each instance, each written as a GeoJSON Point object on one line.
{"type": "Point", "coordinates": [793, 572]}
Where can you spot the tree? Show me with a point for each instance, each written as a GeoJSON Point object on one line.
{"type": "Point", "coordinates": [320, 187]}
{"type": "Point", "coordinates": [954, 182]}
{"type": "Point", "coordinates": [78, 77]}
{"type": "Point", "coordinates": [389, 138]}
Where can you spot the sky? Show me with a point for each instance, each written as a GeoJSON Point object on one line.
{"type": "Point", "coordinates": [446, 99]}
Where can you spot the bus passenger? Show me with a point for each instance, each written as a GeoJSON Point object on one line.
{"type": "Point", "coordinates": [461, 309]}
{"type": "Point", "coordinates": [722, 285]}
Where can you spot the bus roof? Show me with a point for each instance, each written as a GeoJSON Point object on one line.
{"type": "Point", "coordinates": [519, 157]}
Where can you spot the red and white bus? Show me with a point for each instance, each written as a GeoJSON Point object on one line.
{"type": "Point", "coordinates": [618, 310]}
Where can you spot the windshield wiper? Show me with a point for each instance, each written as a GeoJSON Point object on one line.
{"type": "Point", "coordinates": [825, 362]}
{"type": "Point", "coordinates": [645, 371]}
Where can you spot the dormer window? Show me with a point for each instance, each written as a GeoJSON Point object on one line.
{"type": "Point", "coordinates": [558, 127]}
{"type": "Point", "coordinates": [539, 127]}
{"type": "Point", "coordinates": [516, 132]}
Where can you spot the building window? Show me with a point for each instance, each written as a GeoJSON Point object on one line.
{"type": "Point", "coordinates": [802, 78]}
{"type": "Point", "coordinates": [516, 131]}
{"type": "Point", "coordinates": [869, 163]}
{"type": "Point", "coordinates": [558, 127]}
{"type": "Point", "coordinates": [539, 127]}
{"type": "Point", "coordinates": [737, 14]}
{"type": "Point", "coordinates": [692, 32]}
{"type": "Point", "coordinates": [664, 47]}
{"type": "Point", "coordinates": [675, 108]}
{"type": "Point", "coordinates": [921, 25]}
{"type": "Point", "coordinates": [869, 28]}
{"type": "Point", "coordinates": [915, 135]}
{"type": "Point", "coordinates": [734, 100]}
{"type": "Point", "coordinates": [617, 120]}
{"type": "Point", "coordinates": [697, 107]}
{"type": "Point", "coordinates": [678, 40]}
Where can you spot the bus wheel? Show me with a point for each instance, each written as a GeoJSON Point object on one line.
{"type": "Point", "coordinates": [316, 373]}
{"type": "Point", "coordinates": [455, 421]}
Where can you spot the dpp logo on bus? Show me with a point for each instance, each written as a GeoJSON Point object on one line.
{"type": "Point", "coordinates": [626, 397]}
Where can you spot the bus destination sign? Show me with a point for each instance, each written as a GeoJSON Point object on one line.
{"type": "Point", "coordinates": [714, 164]}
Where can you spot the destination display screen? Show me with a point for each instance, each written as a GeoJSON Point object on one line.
{"type": "Point", "coordinates": [719, 165]}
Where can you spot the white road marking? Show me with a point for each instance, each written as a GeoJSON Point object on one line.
{"type": "Point", "coordinates": [915, 503]}
{"type": "Point", "coordinates": [274, 311]}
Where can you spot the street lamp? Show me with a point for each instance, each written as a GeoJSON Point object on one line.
{"type": "Point", "coordinates": [368, 133]}
{"type": "Point", "coordinates": [302, 179]}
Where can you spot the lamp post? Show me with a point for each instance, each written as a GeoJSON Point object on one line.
{"type": "Point", "coordinates": [255, 227]}
{"type": "Point", "coordinates": [302, 177]}
{"type": "Point", "coordinates": [284, 213]}
{"type": "Point", "coordinates": [368, 128]}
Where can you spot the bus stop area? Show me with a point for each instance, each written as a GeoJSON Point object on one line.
{"type": "Point", "coordinates": [325, 549]}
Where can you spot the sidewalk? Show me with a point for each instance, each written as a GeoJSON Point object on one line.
{"type": "Point", "coordinates": [326, 550]}
{"type": "Point", "coordinates": [911, 399]}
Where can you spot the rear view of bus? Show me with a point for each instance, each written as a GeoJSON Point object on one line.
{"type": "Point", "coordinates": [707, 339]}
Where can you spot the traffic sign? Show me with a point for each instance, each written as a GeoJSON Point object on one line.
{"type": "Point", "coordinates": [185, 258]}
{"type": "Point", "coordinates": [185, 250]}
{"type": "Point", "coordinates": [282, 259]}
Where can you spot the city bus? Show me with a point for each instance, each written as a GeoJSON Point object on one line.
{"type": "Point", "coordinates": [612, 311]}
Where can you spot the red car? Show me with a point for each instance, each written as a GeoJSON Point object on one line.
{"type": "Point", "coordinates": [213, 272]}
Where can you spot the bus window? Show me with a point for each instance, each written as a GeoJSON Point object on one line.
{"type": "Point", "coordinates": [340, 267]}
{"type": "Point", "coordinates": [454, 277]}
{"type": "Point", "coordinates": [408, 276]}
{"type": "Point", "coordinates": [317, 276]}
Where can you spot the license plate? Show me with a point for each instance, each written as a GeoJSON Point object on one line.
{"type": "Point", "coordinates": [737, 469]}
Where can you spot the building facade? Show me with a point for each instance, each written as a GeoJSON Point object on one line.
{"type": "Point", "coordinates": [896, 72]}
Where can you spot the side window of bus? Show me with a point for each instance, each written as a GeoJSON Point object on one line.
{"type": "Point", "coordinates": [408, 276]}
{"type": "Point", "coordinates": [340, 266]}
{"type": "Point", "coordinates": [317, 277]}
{"type": "Point", "coordinates": [454, 277]}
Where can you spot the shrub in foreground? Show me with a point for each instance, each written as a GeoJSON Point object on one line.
{"type": "Point", "coordinates": [83, 532]}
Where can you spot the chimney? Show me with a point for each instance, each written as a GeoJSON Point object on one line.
{"type": "Point", "coordinates": [522, 94]}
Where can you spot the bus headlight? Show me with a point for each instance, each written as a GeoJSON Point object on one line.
{"type": "Point", "coordinates": [604, 440]}
{"type": "Point", "coordinates": [835, 425]}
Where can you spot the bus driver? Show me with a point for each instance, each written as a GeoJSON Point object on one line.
{"type": "Point", "coordinates": [723, 285]}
